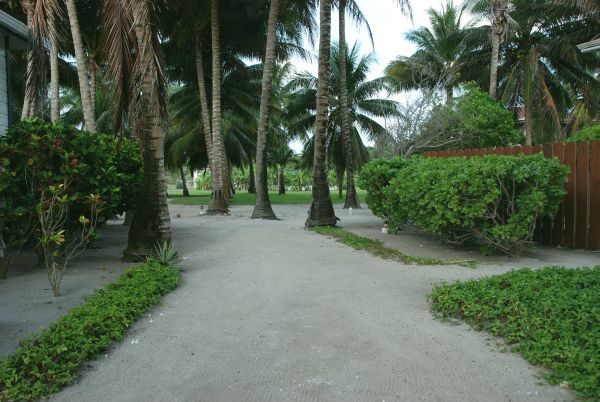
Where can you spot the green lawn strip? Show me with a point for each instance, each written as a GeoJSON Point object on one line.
{"type": "Point", "coordinates": [47, 362]}
{"type": "Point", "coordinates": [551, 316]}
{"type": "Point", "coordinates": [379, 249]}
{"type": "Point", "coordinates": [202, 197]}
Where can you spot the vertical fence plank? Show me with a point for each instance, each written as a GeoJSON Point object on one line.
{"type": "Point", "coordinates": [559, 220]}
{"type": "Point", "coordinates": [527, 149]}
{"type": "Point", "coordinates": [581, 195]}
{"type": "Point", "coordinates": [594, 233]}
{"type": "Point", "coordinates": [570, 206]}
{"type": "Point", "coordinates": [536, 149]}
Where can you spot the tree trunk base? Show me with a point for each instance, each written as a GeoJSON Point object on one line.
{"type": "Point", "coordinates": [136, 255]}
{"type": "Point", "coordinates": [352, 199]}
{"type": "Point", "coordinates": [264, 213]}
{"type": "Point", "coordinates": [218, 204]}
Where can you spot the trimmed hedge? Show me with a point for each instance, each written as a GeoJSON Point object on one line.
{"type": "Point", "coordinates": [44, 364]}
{"type": "Point", "coordinates": [495, 199]}
{"type": "Point", "coordinates": [551, 316]}
{"type": "Point", "coordinates": [374, 177]}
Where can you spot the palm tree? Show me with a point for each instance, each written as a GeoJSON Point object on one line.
{"type": "Point", "coordinates": [442, 57]}
{"type": "Point", "coordinates": [321, 210]}
{"type": "Point", "coordinates": [82, 67]}
{"type": "Point", "coordinates": [543, 71]}
{"type": "Point", "coordinates": [151, 222]}
{"type": "Point", "coordinates": [365, 108]}
{"type": "Point", "coordinates": [262, 208]}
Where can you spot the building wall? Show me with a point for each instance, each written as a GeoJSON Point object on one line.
{"type": "Point", "coordinates": [3, 87]}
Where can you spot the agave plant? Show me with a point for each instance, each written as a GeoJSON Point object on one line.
{"type": "Point", "coordinates": [166, 254]}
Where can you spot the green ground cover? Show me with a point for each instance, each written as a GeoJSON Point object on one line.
{"type": "Point", "coordinates": [47, 362]}
{"type": "Point", "coordinates": [551, 316]}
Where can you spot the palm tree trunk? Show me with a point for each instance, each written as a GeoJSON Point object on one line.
{"type": "Point", "coordinates": [218, 202]}
{"type": "Point", "coordinates": [54, 82]}
{"type": "Point", "coordinates": [262, 208]}
{"type": "Point", "coordinates": [82, 73]}
{"type": "Point", "coordinates": [186, 192]}
{"type": "Point", "coordinates": [351, 196]}
{"type": "Point", "coordinates": [28, 6]}
{"type": "Point", "coordinates": [151, 223]}
{"type": "Point", "coordinates": [203, 100]}
{"type": "Point", "coordinates": [251, 178]}
{"type": "Point", "coordinates": [93, 82]}
{"type": "Point", "coordinates": [281, 180]}
{"type": "Point", "coordinates": [528, 126]}
{"type": "Point", "coordinates": [499, 25]}
{"type": "Point", "coordinates": [321, 210]}
{"type": "Point", "coordinates": [340, 182]}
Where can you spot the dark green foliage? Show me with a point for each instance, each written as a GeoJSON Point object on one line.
{"type": "Point", "coordinates": [473, 120]}
{"type": "Point", "coordinates": [591, 133]}
{"type": "Point", "coordinates": [551, 316]}
{"type": "Point", "coordinates": [374, 177]}
{"type": "Point", "coordinates": [35, 155]}
{"type": "Point", "coordinates": [494, 199]}
{"type": "Point", "coordinates": [377, 248]}
{"type": "Point", "coordinates": [45, 363]}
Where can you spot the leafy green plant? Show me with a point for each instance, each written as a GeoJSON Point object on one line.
{"type": "Point", "coordinates": [550, 316]}
{"type": "Point", "coordinates": [374, 177]}
{"type": "Point", "coordinates": [379, 249]}
{"type": "Point", "coordinates": [591, 133]}
{"type": "Point", "coordinates": [47, 362]}
{"type": "Point", "coordinates": [35, 155]}
{"type": "Point", "coordinates": [166, 254]}
{"type": "Point", "coordinates": [492, 199]}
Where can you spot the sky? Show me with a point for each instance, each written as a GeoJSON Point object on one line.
{"type": "Point", "coordinates": [388, 25]}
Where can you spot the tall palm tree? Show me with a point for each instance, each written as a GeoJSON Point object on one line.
{"type": "Point", "coordinates": [262, 208]}
{"type": "Point", "coordinates": [442, 57]}
{"type": "Point", "coordinates": [151, 222]}
{"type": "Point", "coordinates": [321, 211]}
{"type": "Point", "coordinates": [82, 67]}
{"type": "Point", "coordinates": [543, 72]}
{"type": "Point", "coordinates": [218, 202]}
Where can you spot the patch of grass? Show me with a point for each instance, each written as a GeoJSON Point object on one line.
{"type": "Point", "coordinates": [551, 316]}
{"type": "Point", "coordinates": [202, 197]}
{"type": "Point", "coordinates": [47, 362]}
{"type": "Point", "coordinates": [379, 249]}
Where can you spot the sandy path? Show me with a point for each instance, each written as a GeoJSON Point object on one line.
{"type": "Point", "coordinates": [267, 311]}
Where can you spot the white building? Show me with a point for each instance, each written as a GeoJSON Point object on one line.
{"type": "Point", "coordinates": [14, 35]}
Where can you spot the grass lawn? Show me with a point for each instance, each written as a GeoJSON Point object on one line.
{"type": "Point", "coordinates": [551, 316]}
{"type": "Point", "coordinates": [202, 197]}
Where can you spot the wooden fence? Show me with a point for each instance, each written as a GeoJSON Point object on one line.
{"type": "Point", "coordinates": [577, 223]}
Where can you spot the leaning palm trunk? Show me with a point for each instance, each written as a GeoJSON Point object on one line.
{"type": "Point", "coordinates": [203, 100]}
{"type": "Point", "coordinates": [251, 178]}
{"type": "Point", "coordinates": [351, 196]}
{"type": "Point", "coordinates": [184, 187]}
{"type": "Point", "coordinates": [321, 210]}
{"type": "Point", "coordinates": [28, 6]}
{"type": "Point", "coordinates": [218, 201]}
{"type": "Point", "coordinates": [151, 223]}
{"type": "Point", "coordinates": [263, 209]}
{"type": "Point", "coordinates": [499, 26]}
{"type": "Point", "coordinates": [82, 71]}
{"type": "Point", "coordinates": [54, 83]}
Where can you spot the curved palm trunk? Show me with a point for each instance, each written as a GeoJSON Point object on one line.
{"type": "Point", "coordinates": [351, 196]}
{"type": "Point", "coordinates": [499, 26]}
{"type": "Point", "coordinates": [151, 224]}
{"type": "Point", "coordinates": [82, 71]}
{"type": "Point", "coordinates": [262, 208]}
{"type": "Point", "coordinates": [186, 192]}
{"type": "Point", "coordinates": [54, 83]}
{"type": "Point", "coordinates": [203, 101]}
{"type": "Point", "coordinates": [321, 209]}
{"type": "Point", "coordinates": [218, 202]}
{"type": "Point", "coordinates": [251, 178]}
{"type": "Point", "coordinates": [28, 6]}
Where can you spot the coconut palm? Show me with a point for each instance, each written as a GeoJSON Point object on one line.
{"type": "Point", "coordinates": [543, 72]}
{"type": "Point", "coordinates": [365, 107]}
{"type": "Point", "coordinates": [442, 57]}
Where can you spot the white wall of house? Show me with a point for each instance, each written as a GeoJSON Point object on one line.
{"type": "Point", "coordinates": [3, 86]}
